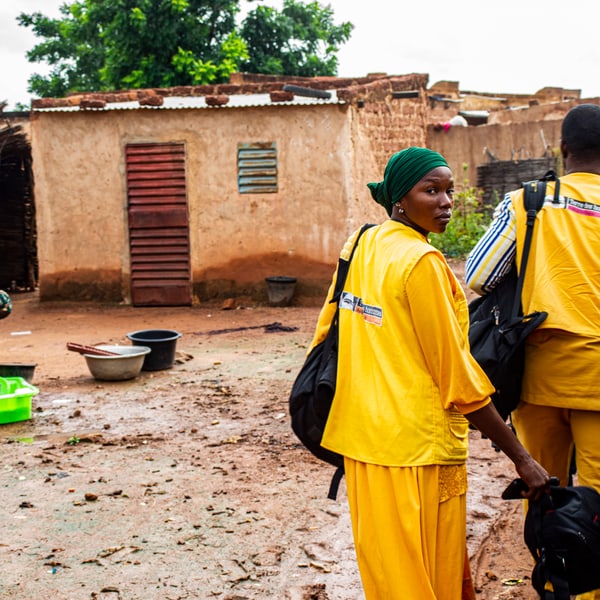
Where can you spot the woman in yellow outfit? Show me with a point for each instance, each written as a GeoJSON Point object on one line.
{"type": "Point", "coordinates": [406, 382]}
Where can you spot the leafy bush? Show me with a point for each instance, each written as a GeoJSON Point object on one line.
{"type": "Point", "coordinates": [469, 222]}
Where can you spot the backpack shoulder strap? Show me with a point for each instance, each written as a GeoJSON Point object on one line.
{"type": "Point", "coordinates": [534, 194]}
{"type": "Point", "coordinates": [552, 176]}
{"type": "Point", "coordinates": [344, 265]}
{"type": "Point", "coordinates": [335, 483]}
{"type": "Point", "coordinates": [332, 336]}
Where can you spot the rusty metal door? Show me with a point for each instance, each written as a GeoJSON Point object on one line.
{"type": "Point", "coordinates": [158, 225]}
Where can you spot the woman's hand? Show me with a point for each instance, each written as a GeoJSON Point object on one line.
{"type": "Point", "coordinates": [535, 477]}
{"type": "Point", "coordinates": [490, 423]}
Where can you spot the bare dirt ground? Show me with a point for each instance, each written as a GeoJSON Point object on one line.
{"type": "Point", "coordinates": [188, 482]}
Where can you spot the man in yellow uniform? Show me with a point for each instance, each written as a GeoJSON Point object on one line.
{"type": "Point", "coordinates": [560, 407]}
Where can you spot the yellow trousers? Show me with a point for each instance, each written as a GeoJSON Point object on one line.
{"type": "Point", "coordinates": [550, 433]}
{"type": "Point", "coordinates": [409, 545]}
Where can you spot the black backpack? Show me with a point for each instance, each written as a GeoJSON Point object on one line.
{"type": "Point", "coordinates": [562, 532]}
{"type": "Point", "coordinates": [497, 327]}
{"type": "Point", "coordinates": [314, 387]}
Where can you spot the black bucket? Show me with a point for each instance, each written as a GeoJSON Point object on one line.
{"type": "Point", "coordinates": [18, 370]}
{"type": "Point", "coordinates": [162, 343]}
{"type": "Point", "coordinates": [280, 289]}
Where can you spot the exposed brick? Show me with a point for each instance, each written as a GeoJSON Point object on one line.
{"type": "Point", "coordinates": [281, 96]}
{"type": "Point", "coordinates": [220, 100]}
{"type": "Point", "coordinates": [151, 100]}
{"type": "Point", "coordinates": [347, 95]}
{"type": "Point", "coordinates": [202, 90]}
{"type": "Point", "coordinates": [43, 103]}
{"type": "Point", "coordinates": [92, 103]}
{"type": "Point", "coordinates": [227, 88]}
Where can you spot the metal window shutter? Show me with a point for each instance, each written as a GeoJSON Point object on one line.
{"type": "Point", "coordinates": [257, 168]}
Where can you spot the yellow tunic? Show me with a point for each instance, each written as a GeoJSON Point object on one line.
{"type": "Point", "coordinates": [404, 370]}
{"type": "Point", "coordinates": [563, 355]}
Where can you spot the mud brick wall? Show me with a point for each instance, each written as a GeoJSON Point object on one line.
{"type": "Point", "coordinates": [467, 148]}
{"type": "Point", "coordinates": [392, 126]}
{"type": "Point", "coordinates": [392, 113]}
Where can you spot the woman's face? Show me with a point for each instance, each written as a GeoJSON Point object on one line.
{"type": "Point", "coordinates": [428, 205]}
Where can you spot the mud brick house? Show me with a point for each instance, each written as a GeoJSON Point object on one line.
{"type": "Point", "coordinates": [173, 196]}
{"type": "Point", "coordinates": [181, 195]}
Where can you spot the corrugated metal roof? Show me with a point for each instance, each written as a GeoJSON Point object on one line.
{"type": "Point", "coordinates": [199, 102]}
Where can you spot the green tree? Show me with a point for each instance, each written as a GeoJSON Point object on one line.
{"type": "Point", "coordinates": [301, 39]}
{"type": "Point", "coordinates": [99, 45]}
{"type": "Point", "coordinates": [113, 44]}
{"type": "Point", "coordinates": [71, 48]}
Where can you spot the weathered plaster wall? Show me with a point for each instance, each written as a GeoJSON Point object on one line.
{"type": "Point", "coordinates": [473, 146]}
{"type": "Point", "coordinates": [326, 156]}
{"type": "Point", "coordinates": [80, 202]}
{"type": "Point", "coordinates": [235, 239]}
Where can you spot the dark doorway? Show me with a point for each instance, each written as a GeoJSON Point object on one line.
{"type": "Point", "coordinates": [18, 240]}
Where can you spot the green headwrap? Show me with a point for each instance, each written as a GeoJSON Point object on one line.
{"type": "Point", "coordinates": [403, 171]}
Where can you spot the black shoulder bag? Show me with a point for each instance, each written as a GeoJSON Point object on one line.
{"type": "Point", "coordinates": [498, 328]}
{"type": "Point", "coordinates": [562, 532]}
{"type": "Point", "coordinates": [314, 387]}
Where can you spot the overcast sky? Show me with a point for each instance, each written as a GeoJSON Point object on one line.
{"type": "Point", "coordinates": [514, 46]}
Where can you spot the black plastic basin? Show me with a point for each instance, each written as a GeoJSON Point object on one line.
{"type": "Point", "coordinates": [18, 370]}
{"type": "Point", "coordinates": [162, 344]}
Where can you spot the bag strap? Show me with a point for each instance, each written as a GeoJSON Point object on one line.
{"type": "Point", "coordinates": [340, 281]}
{"type": "Point", "coordinates": [534, 194]}
{"type": "Point", "coordinates": [334, 486]}
{"type": "Point", "coordinates": [332, 336]}
{"type": "Point", "coordinates": [344, 266]}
